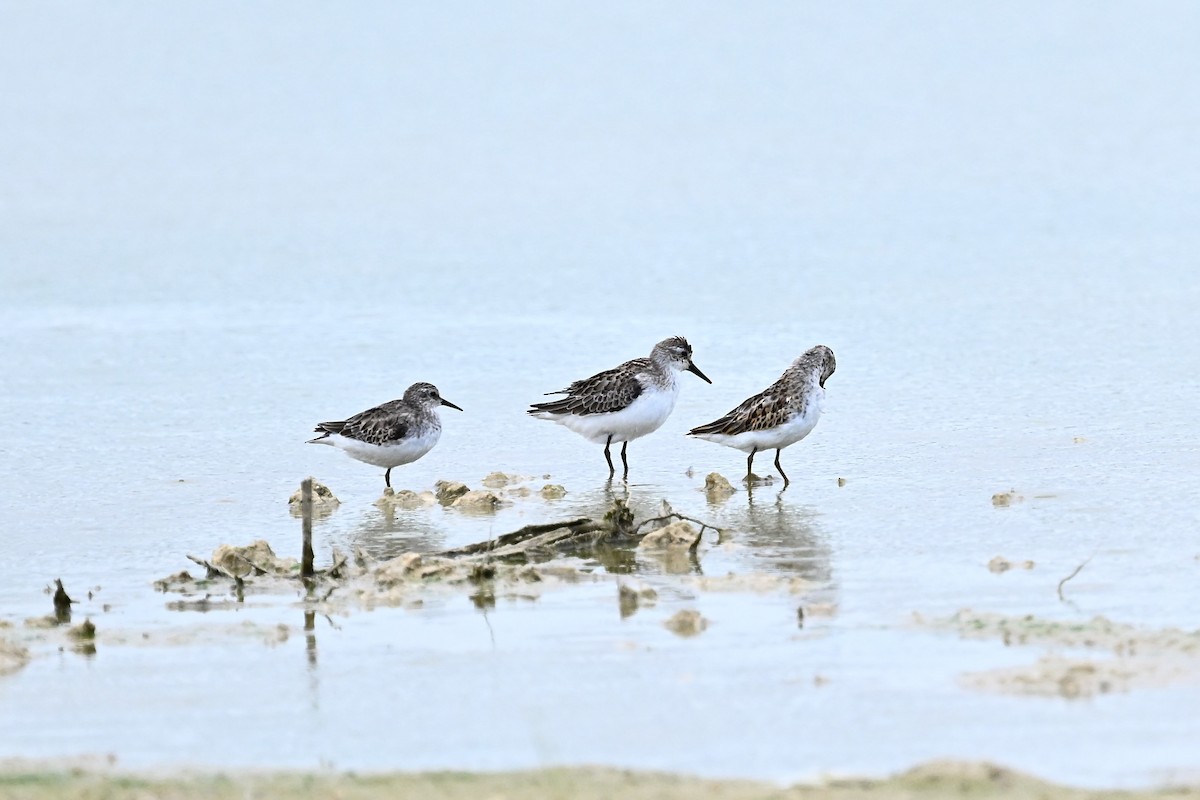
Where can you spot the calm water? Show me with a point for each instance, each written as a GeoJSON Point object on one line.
{"type": "Point", "coordinates": [220, 226]}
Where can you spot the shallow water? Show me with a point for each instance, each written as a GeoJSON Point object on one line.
{"type": "Point", "coordinates": [252, 220]}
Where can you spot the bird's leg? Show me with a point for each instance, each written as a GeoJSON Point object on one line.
{"type": "Point", "coordinates": [387, 477]}
{"type": "Point", "coordinates": [778, 467]}
{"type": "Point", "coordinates": [608, 457]}
{"type": "Point", "coordinates": [750, 465]}
{"type": "Point", "coordinates": [624, 460]}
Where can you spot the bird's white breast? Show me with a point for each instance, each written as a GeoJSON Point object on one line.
{"type": "Point", "coordinates": [393, 454]}
{"type": "Point", "coordinates": [644, 415]}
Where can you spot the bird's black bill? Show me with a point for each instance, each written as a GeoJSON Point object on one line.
{"type": "Point", "coordinates": [693, 368]}
{"type": "Point", "coordinates": [446, 402]}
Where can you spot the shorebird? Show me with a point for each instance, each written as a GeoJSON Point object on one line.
{"type": "Point", "coordinates": [781, 415]}
{"type": "Point", "coordinates": [623, 403]}
{"type": "Point", "coordinates": [389, 435]}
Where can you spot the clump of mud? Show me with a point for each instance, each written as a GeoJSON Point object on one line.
{"type": "Point", "coordinates": [323, 501]}
{"type": "Point", "coordinates": [677, 534]}
{"type": "Point", "coordinates": [717, 487]}
{"type": "Point", "coordinates": [477, 501]}
{"type": "Point", "coordinates": [552, 491]}
{"type": "Point", "coordinates": [449, 491]}
{"type": "Point", "coordinates": [257, 557]}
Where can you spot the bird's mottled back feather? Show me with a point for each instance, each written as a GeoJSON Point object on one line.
{"type": "Point", "coordinates": [767, 409]}
{"type": "Point", "coordinates": [379, 425]}
{"type": "Point", "coordinates": [604, 392]}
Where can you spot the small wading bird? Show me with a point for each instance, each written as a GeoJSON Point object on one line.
{"type": "Point", "coordinates": [623, 403]}
{"type": "Point", "coordinates": [781, 415]}
{"type": "Point", "coordinates": [395, 433]}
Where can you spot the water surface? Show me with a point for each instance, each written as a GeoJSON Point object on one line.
{"type": "Point", "coordinates": [219, 228]}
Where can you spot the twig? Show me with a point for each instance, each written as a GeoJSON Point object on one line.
{"type": "Point", "coordinates": [675, 515]}
{"type": "Point", "coordinates": [257, 569]}
{"type": "Point", "coordinates": [213, 571]}
{"type": "Point", "coordinates": [1072, 575]}
{"type": "Point", "coordinates": [670, 513]}
{"type": "Point", "coordinates": [334, 569]}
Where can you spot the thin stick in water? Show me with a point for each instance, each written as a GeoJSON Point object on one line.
{"type": "Point", "coordinates": [306, 549]}
{"type": "Point", "coordinates": [1072, 575]}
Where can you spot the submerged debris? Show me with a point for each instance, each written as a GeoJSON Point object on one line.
{"type": "Point", "coordinates": [62, 602]}
{"type": "Point", "coordinates": [552, 491]}
{"type": "Point", "coordinates": [1001, 499]}
{"type": "Point", "coordinates": [1000, 564]}
{"type": "Point", "coordinates": [498, 480]}
{"type": "Point", "coordinates": [84, 631]}
{"type": "Point", "coordinates": [84, 635]}
{"type": "Point", "coordinates": [1051, 676]}
{"type": "Point", "coordinates": [405, 499]}
{"type": "Point", "coordinates": [630, 599]}
{"type": "Point", "coordinates": [687, 622]}
{"type": "Point", "coordinates": [1143, 657]}
{"type": "Point", "coordinates": [12, 656]}
{"type": "Point", "coordinates": [1098, 632]}
{"type": "Point", "coordinates": [516, 564]}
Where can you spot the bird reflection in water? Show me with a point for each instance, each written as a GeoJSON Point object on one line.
{"type": "Point", "coordinates": [779, 537]}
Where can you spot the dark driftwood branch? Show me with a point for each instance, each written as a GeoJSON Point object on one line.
{"type": "Point", "coordinates": [618, 523]}
{"type": "Point", "coordinates": [530, 537]}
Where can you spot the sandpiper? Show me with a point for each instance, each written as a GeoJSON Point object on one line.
{"type": "Point", "coordinates": [779, 416]}
{"type": "Point", "coordinates": [623, 403]}
{"type": "Point", "coordinates": [397, 432]}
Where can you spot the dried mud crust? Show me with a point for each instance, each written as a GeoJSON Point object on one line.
{"type": "Point", "coordinates": [1104, 656]}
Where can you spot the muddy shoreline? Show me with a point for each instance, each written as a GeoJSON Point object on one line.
{"type": "Point", "coordinates": [939, 779]}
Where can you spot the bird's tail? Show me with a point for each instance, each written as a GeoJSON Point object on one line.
{"type": "Point", "coordinates": [326, 429]}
